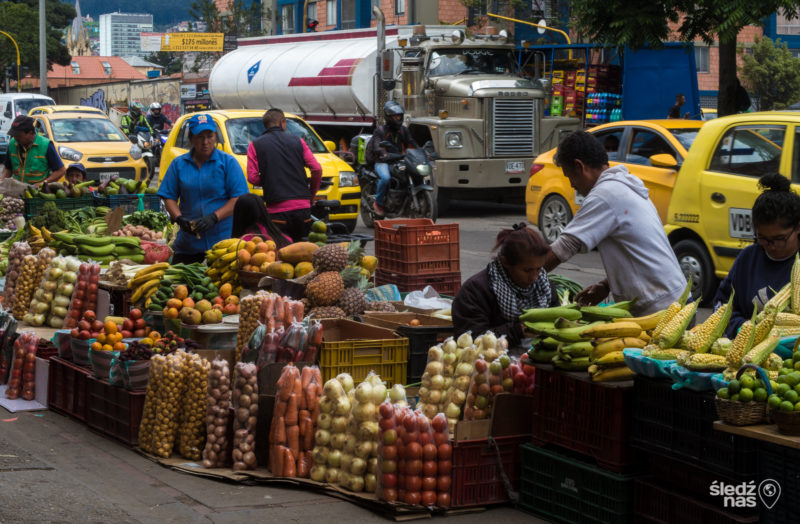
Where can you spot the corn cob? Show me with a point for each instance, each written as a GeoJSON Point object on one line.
{"type": "Point", "coordinates": [795, 285]}
{"type": "Point", "coordinates": [657, 353]}
{"type": "Point", "coordinates": [773, 363]}
{"type": "Point", "coordinates": [764, 327]}
{"type": "Point", "coordinates": [672, 332]}
{"type": "Point", "coordinates": [778, 302]}
{"type": "Point", "coordinates": [704, 362]}
{"type": "Point", "coordinates": [668, 315]}
{"type": "Point", "coordinates": [613, 374]}
{"type": "Point", "coordinates": [706, 333]}
{"type": "Point", "coordinates": [742, 342]}
{"type": "Point", "coordinates": [721, 346]}
{"type": "Point", "coordinates": [787, 319]}
{"type": "Point", "coordinates": [761, 351]}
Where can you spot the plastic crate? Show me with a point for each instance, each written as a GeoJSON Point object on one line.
{"type": "Point", "coordinates": [444, 283]}
{"type": "Point", "coordinates": [67, 388]}
{"type": "Point", "coordinates": [417, 246]}
{"type": "Point", "coordinates": [355, 348]}
{"type": "Point", "coordinates": [477, 478]}
{"type": "Point", "coordinates": [115, 412]}
{"type": "Point", "coordinates": [129, 203]}
{"type": "Point", "coordinates": [563, 488]}
{"type": "Point", "coordinates": [782, 465]}
{"type": "Point", "coordinates": [589, 418]}
{"type": "Point", "coordinates": [679, 424]}
{"type": "Point", "coordinates": [655, 504]}
{"type": "Point", "coordinates": [33, 206]}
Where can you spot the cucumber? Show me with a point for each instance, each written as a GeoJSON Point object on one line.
{"type": "Point", "coordinates": [210, 296]}
{"type": "Point", "coordinates": [154, 307]}
{"type": "Point", "coordinates": [196, 296]}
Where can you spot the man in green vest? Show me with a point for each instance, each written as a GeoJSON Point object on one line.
{"type": "Point", "coordinates": [31, 158]}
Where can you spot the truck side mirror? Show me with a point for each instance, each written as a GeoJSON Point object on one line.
{"type": "Point", "coordinates": [663, 160]}
{"type": "Point", "coordinates": [330, 146]}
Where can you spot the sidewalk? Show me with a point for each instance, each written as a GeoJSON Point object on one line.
{"type": "Point", "coordinates": [54, 469]}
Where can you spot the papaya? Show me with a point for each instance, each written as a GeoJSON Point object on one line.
{"type": "Point", "coordinates": [303, 268]}
{"type": "Point", "coordinates": [297, 252]}
{"type": "Point", "coordinates": [281, 270]}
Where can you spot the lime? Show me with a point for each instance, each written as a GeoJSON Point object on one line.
{"type": "Point", "coordinates": [788, 363]}
{"type": "Point", "coordinates": [774, 384]}
{"type": "Point", "coordinates": [793, 378]}
{"type": "Point", "coordinates": [787, 406]}
{"type": "Point", "coordinates": [760, 395]}
{"type": "Point", "coordinates": [782, 389]}
{"type": "Point", "coordinates": [782, 372]}
{"type": "Point", "coordinates": [774, 401]}
{"type": "Point", "coordinates": [795, 357]}
{"type": "Point", "coordinates": [797, 407]}
{"type": "Point", "coordinates": [735, 397]}
{"type": "Point", "coordinates": [797, 388]}
{"type": "Point", "coordinates": [747, 381]}
{"type": "Point", "coordinates": [791, 396]}
{"type": "Point", "coordinates": [733, 387]}
{"type": "Point", "coordinates": [745, 395]}
{"type": "Point", "coordinates": [797, 366]}
{"type": "Point", "coordinates": [722, 393]}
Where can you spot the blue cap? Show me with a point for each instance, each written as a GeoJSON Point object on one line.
{"type": "Point", "coordinates": [200, 123]}
{"type": "Point", "coordinates": [78, 166]}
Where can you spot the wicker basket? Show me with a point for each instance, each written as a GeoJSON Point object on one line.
{"type": "Point", "coordinates": [740, 413]}
{"type": "Point", "coordinates": [250, 279]}
{"type": "Point", "coordinates": [788, 421]}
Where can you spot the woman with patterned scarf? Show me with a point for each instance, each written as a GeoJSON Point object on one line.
{"type": "Point", "coordinates": [512, 282]}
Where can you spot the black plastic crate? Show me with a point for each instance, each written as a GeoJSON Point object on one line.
{"type": "Point", "coordinates": [782, 465]}
{"type": "Point", "coordinates": [33, 206]}
{"type": "Point", "coordinates": [655, 504]}
{"type": "Point", "coordinates": [420, 340]}
{"type": "Point", "coordinates": [565, 488]}
{"type": "Point", "coordinates": [679, 424]}
{"type": "Point", "coordinates": [129, 203]}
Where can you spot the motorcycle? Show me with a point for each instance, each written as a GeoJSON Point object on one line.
{"type": "Point", "coordinates": [150, 146]}
{"type": "Point", "coordinates": [410, 193]}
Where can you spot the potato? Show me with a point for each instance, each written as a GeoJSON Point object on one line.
{"type": "Point", "coordinates": [217, 413]}
{"type": "Point", "coordinates": [245, 424]}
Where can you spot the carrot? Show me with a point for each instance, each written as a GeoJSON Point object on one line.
{"type": "Point", "coordinates": [288, 317]}
{"type": "Point", "coordinates": [278, 465]}
{"type": "Point", "coordinates": [273, 428]}
{"type": "Point", "coordinates": [298, 310]}
{"type": "Point", "coordinates": [315, 414]}
{"type": "Point", "coordinates": [280, 432]}
{"type": "Point", "coordinates": [280, 409]}
{"type": "Point", "coordinates": [303, 465]}
{"type": "Point", "coordinates": [267, 308]}
{"type": "Point", "coordinates": [318, 376]}
{"type": "Point", "coordinates": [291, 411]}
{"type": "Point", "coordinates": [289, 468]}
{"type": "Point", "coordinates": [278, 313]}
{"type": "Point", "coordinates": [301, 403]}
{"type": "Point", "coordinates": [293, 440]}
{"type": "Point", "coordinates": [297, 387]}
{"type": "Point", "coordinates": [312, 400]}
{"type": "Point", "coordinates": [308, 435]}
{"type": "Point", "coordinates": [306, 376]}
{"type": "Point", "coordinates": [286, 390]}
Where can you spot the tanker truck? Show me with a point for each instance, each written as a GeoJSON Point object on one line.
{"type": "Point", "coordinates": [461, 92]}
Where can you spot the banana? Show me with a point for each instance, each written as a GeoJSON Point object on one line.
{"type": "Point", "coordinates": [609, 359]}
{"type": "Point", "coordinates": [144, 288]}
{"type": "Point", "coordinates": [613, 329]}
{"type": "Point", "coordinates": [229, 275]}
{"type": "Point", "coordinates": [577, 349]}
{"type": "Point", "coordinates": [227, 258]}
{"type": "Point", "coordinates": [605, 313]}
{"type": "Point", "coordinates": [613, 374]}
{"type": "Point", "coordinates": [573, 334]}
{"type": "Point", "coordinates": [550, 314]}
{"type": "Point", "coordinates": [610, 346]}
{"type": "Point", "coordinates": [46, 234]}
{"type": "Point", "coordinates": [647, 322]}
{"type": "Point", "coordinates": [562, 323]}
{"type": "Point", "coordinates": [138, 281]}
{"type": "Point", "coordinates": [161, 266]}
{"type": "Point", "coordinates": [224, 244]}
{"type": "Point", "coordinates": [571, 364]}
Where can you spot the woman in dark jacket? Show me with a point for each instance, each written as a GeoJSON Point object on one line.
{"type": "Point", "coordinates": [513, 281]}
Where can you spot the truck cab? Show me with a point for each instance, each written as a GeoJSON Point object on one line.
{"type": "Point", "coordinates": [11, 106]}
{"type": "Point", "coordinates": [709, 215]}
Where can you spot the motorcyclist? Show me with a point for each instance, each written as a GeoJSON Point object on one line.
{"type": "Point", "coordinates": [134, 119]}
{"type": "Point", "coordinates": [158, 120]}
{"type": "Point", "coordinates": [399, 138]}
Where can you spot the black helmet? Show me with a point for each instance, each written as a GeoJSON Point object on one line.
{"type": "Point", "coordinates": [392, 109]}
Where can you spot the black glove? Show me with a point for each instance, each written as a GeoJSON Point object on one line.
{"type": "Point", "coordinates": [184, 223]}
{"type": "Point", "coordinates": [205, 223]}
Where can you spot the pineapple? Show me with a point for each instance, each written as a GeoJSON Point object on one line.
{"type": "Point", "coordinates": [353, 302]}
{"type": "Point", "coordinates": [325, 289]}
{"type": "Point", "coordinates": [327, 312]}
{"type": "Point", "coordinates": [331, 257]}
{"type": "Point", "coordinates": [381, 306]}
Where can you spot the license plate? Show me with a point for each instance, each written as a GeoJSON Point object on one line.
{"type": "Point", "coordinates": [740, 224]}
{"type": "Point", "coordinates": [105, 177]}
{"type": "Point", "coordinates": [515, 167]}
{"type": "Point", "coordinates": [579, 199]}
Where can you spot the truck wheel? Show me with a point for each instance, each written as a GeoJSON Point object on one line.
{"type": "Point", "coordinates": [695, 262]}
{"type": "Point", "coordinates": [554, 215]}
{"type": "Point", "coordinates": [367, 197]}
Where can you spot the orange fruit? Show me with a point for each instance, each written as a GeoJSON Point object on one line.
{"type": "Point", "coordinates": [262, 247]}
{"type": "Point", "coordinates": [188, 302]}
{"type": "Point", "coordinates": [256, 240]}
{"type": "Point", "coordinates": [243, 256]}
{"type": "Point", "coordinates": [101, 338]}
{"type": "Point", "coordinates": [250, 246]}
{"type": "Point", "coordinates": [110, 327]}
{"type": "Point", "coordinates": [119, 346]}
{"type": "Point", "coordinates": [176, 303]}
{"type": "Point", "coordinates": [155, 335]}
{"type": "Point", "coordinates": [181, 292]}
{"type": "Point", "coordinates": [171, 313]}
{"type": "Point", "coordinates": [97, 346]}
{"type": "Point", "coordinates": [107, 347]}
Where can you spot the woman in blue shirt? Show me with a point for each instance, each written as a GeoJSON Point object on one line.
{"type": "Point", "coordinates": [200, 190]}
{"type": "Point", "coordinates": [761, 269]}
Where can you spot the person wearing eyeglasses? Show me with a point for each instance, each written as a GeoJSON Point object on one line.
{"type": "Point", "coordinates": [764, 267]}
{"type": "Point", "coordinates": [31, 158]}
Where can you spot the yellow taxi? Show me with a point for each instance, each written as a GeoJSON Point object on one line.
{"type": "Point", "coordinates": [709, 218]}
{"type": "Point", "coordinates": [652, 150]}
{"type": "Point", "coordinates": [45, 110]}
{"type": "Point", "coordinates": [237, 128]}
{"type": "Point", "coordinates": [95, 141]}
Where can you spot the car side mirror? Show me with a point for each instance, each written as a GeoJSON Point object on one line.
{"type": "Point", "coordinates": [330, 145]}
{"type": "Point", "coordinates": [663, 160]}
{"type": "Point", "coordinates": [7, 114]}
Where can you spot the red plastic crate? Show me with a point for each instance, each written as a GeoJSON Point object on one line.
{"type": "Point", "coordinates": [444, 283]}
{"type": "Point", "coordinates": [589, 418]}
{"type": "Point", "coordinates": [477, 478]}
{"type": "Point", "coordinates": [67, 388]}
{"type": "Point", "coordinates": [417, 246]}
{"type": "Point", "coordinates": [656, 505]}
{"type": "Point", "coordinates": [115, 412]}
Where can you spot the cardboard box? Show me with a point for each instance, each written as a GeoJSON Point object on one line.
{"type": "Point", "coordinates": [511, 415]}
{"type": "Point", "coordinates": [337, 330]}
{"type": "Point", "coordinates": [394, 320]}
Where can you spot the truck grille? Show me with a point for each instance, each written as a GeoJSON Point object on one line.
{"type": "Point", "coordinates": [512, 127]}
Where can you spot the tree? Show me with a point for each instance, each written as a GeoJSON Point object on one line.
{"type": "Point", "coordinates": [172, 62]}
{"type": "Point", "coordinates": [20, 18]}
{"type": "Point", "coordinates": [772, 74]}
{"type": "Point", "coordinates": [637, 23]}
{"type": "Point", "coordinates": [238, 20]}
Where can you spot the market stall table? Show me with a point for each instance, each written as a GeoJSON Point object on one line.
{"type": "Point", "coordinates": [764, 432]}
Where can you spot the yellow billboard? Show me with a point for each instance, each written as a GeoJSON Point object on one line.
{"type": "Point", "coordinates": [192, 41]}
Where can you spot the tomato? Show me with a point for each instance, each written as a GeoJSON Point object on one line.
{"type": "Point", "coordinates": [16, 373]}
{"type": "Point", "coordinates": [89, 315]}
{"type": "Point", "coordinates": [30, 357]}
{"type": "Point", "coordinates": [429, 468]}
{"type": "Point", "coordinates": [387, 411]}
{"type": "Point", "coordinates": [429, 452]}
{"type": "Point", "coordinates": [80, 294]}
{"type": "Point", "coordinates": [425, 438]}
{"type": "Point", "coordinates": [445, 451]}
{"type": "Point", "coordinates": [386, 423]}
{"type": "Point", "coordinates": [14, 384]}
{"type": "Point", "coordinates": [410, 423]}
{"type": "Point", "coordinates": [389, 480]}
{"type": "Point", "coordinates": [428, 498]}
{"type": "Point", "coordinates": [390, 452]}
{"type": "Point", "coordinates": [443, 483]}
{"type": "Point", "coordinates": [414, 450]}
{"type": "Point", "coordinates": [413, 498]}
{"type": "Point", "coordinates": [92, 287]}
{"type": "Point", "coordinates": [440, 438]}
{"type": "Point", "coordinates": [439, 423]}
{"type": "Point", "coordinates": [389, 495]}
{"type": "Point", "coordinates": [423, 424]}
{"type": "Point", "coordinates": [445, 467]}
{"type": "Point", "coordinates": [28, 377]}
{"type": "Point", "coordinates": [135, 313]}
{"type": "Point", "coordinates": [411, 436]}
{"type": "Point", "coordinates": [413, 483]}
{"type": "Point", "coordinates": [428, 483]}
{"type": "Point", "coordinates": [413, 467]}
{"type": "Point", "coordinates": [443, 500]}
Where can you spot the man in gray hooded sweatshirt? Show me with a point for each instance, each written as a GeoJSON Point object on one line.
{"type": "Point", "coordinates": [617, 218]}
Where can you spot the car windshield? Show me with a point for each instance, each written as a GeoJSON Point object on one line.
{"type": "Point", "coordinates": [85, 130]}
{"type": "Point", "coordinates": [685, 136]}
{"type": "Point", "coordinates": [25, 105]}
{"type": "Point", "coordinates": [242, 131]}
{"type": "Point", "coordinates": [471, 61]}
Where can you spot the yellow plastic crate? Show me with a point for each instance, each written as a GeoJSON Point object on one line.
{"type": "Point", "coordinates": [356, 348]}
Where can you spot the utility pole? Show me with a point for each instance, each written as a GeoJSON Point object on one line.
{"type": "Point", "coordinates": [42, 50]}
